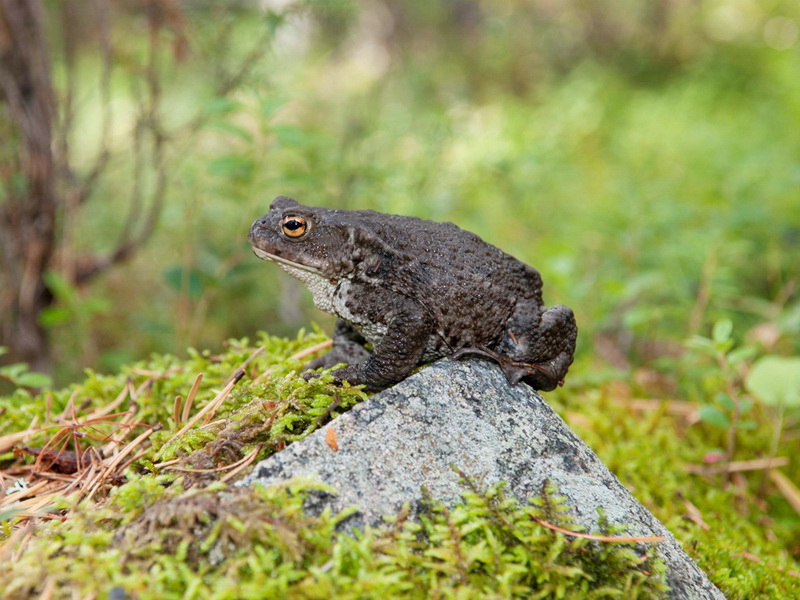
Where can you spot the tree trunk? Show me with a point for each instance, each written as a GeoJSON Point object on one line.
{"type": "Point", "coordinates": [27, 180]}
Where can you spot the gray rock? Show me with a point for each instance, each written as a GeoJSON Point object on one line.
{"type": "Point", "coordinates": [465, 414]}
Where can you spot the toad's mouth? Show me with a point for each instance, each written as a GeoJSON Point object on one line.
{"type": "Point", "coordinates": [264, 255]}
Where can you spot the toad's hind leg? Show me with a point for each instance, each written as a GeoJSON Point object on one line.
{"type": "Point", "coordinates": [539, 346]}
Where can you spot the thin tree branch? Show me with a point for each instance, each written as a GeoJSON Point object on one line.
{"type": "Point", "coordinates": [137, 229]}
{"type": "Point", "coordinates": [106, 52]}
{"type": "Point", "coordinates": [149, 126]}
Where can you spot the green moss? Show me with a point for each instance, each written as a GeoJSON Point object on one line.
{"type": "Point", "coordinates": [748, 545]}
{"type": "Point", "coordinates": [181, 533]}
{"type": "Point", "coordinates": [260, 543]}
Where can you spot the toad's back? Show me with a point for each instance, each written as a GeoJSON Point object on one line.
{"type": "Point", "coordinates": [470, 286]}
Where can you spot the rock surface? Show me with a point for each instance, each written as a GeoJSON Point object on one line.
{"type": "Point", "coordinates": [465, 414]}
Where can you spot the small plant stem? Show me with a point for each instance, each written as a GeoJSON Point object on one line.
{"type": "Point", "coordinates": [737, 412]}
{"type": "Point", "coordinates": [773, 449]}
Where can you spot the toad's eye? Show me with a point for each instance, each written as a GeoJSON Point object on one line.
{"type": "Point", "coordinates": [294, 226]}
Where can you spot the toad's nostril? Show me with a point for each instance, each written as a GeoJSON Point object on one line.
{"type": "Point", "coordinates": [258, 224]}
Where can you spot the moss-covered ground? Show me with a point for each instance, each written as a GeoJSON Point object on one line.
{"type": "Point", "coordinates": [154, 516]}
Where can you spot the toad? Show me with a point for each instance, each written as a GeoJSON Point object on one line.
{"type": "Point", "coordinates": [408, 291]}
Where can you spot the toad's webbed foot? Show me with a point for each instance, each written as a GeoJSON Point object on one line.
{"type": "Point", "coordinates": [538, 376]}
{"type": "Point", "coordinates": [542, 342]}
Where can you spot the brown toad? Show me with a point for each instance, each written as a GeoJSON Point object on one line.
{"type": "Point", "coordinates": [416, 291]}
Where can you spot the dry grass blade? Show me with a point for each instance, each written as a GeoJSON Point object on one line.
{"type": "Point", "coordinates": [219, 400]}
{"type": "Point", "coordinates": [69, 409]}
{"type": "Point", "coordinates": [673, 407]}
{"type": "Point", "coordinates": [24, 493]}
{"type": "Point", "coordinates": [246, 363]}
{"type": "Point", "coordinates": [176, 410]}
{"type": "Point", "coordinates": [234, 465]}
{"type": "Point", "coordinates": [123, 430]}
{"type": "Point", "coordinates": [312, 350]}
{"type": "Point", "coordinates": [758, 464]}
{"type": "Point", "coordinates": [56, 476]}
{"type": "Point", "coordinates": [789, 490]}
{"type": "Point", "coordinates": [49, 589]}
{"type": "Point", "coordinates": [187, 406]}
{"type": "Point", "coordinates": [613, 539]}
{"type": "Point", "coordinates": [747, 556]}
{"type": "Point", "coordinates": [210, 408]}
{"type": "Point", "coordinates": [108, 408]}
{"type": "Point", "coordinates": [153, 374]}
{"type": "Point", "coordinates": [136, 392]}
{"type": "Point", "coordinates": [124, 466]}
{"type": "Point", "coordinates": [244, 463]}
{"type": "Point", "coordinates": [111, 465]}
{"type": "Point", "coordinates": [72, 431]}
{"type": "Point", "coordinates": [7, 442]}
{"type": "Point", "coordinates": [119, 457]}
{"type": "Point", "coordinates": [14, 538]}
{"type": "Point", "coordinates": [47, 516]}
{"type": "Point", "coordinates": [33, 505]}
{"type": "Point", "coordinates": [694, 515]}
{"type": "Point", "coordinates": [79, 481]}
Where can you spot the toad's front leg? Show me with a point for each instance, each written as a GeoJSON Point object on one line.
{"type": "Point", "coordinates": [397, 353]}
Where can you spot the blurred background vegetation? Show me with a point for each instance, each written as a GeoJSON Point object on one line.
{"type": "Point", "coordinates": [643, 155]}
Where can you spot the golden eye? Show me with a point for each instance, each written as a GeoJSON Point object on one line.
{"type": "Point", "coordinates": [294, 226]}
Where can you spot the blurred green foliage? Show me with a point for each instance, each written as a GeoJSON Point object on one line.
{"type": "Point", "coordinates": [642, 155]}
{"type": "Point", "coordinates": [643, 158]}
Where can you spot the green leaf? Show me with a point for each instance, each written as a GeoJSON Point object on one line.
{"type": "Point", "coordinates": [726, 401]}
{"type": "Point", "coordinates": [232, 128]}
{"type": "Point", "coordinates": [53, 316]}
{"type": "Point", "coordinates": [723, 346]}
{"type": "Point", "coordinates": [13, 371]}
{"type": "Point", "coordinates": [19, 375]}
{"type": "Point", "coordinates": [776, 380]}
{"type": "Point", "coordinates": [34, 380]}
{"type": "Point", "coordinates": [222, 106]}
{"type": "Point", "coordinates": [722, 331]}
{"type": "Point", "coordinates": [741, 354]}
{"type": "Point", "coordinates": [290, 136]}
{"type": "Point", "coordinates": [60, 287]}
{"type": "Point", "coordinates": [713, 416]}
{"type": "Point", "coordinates": [703, 344]}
